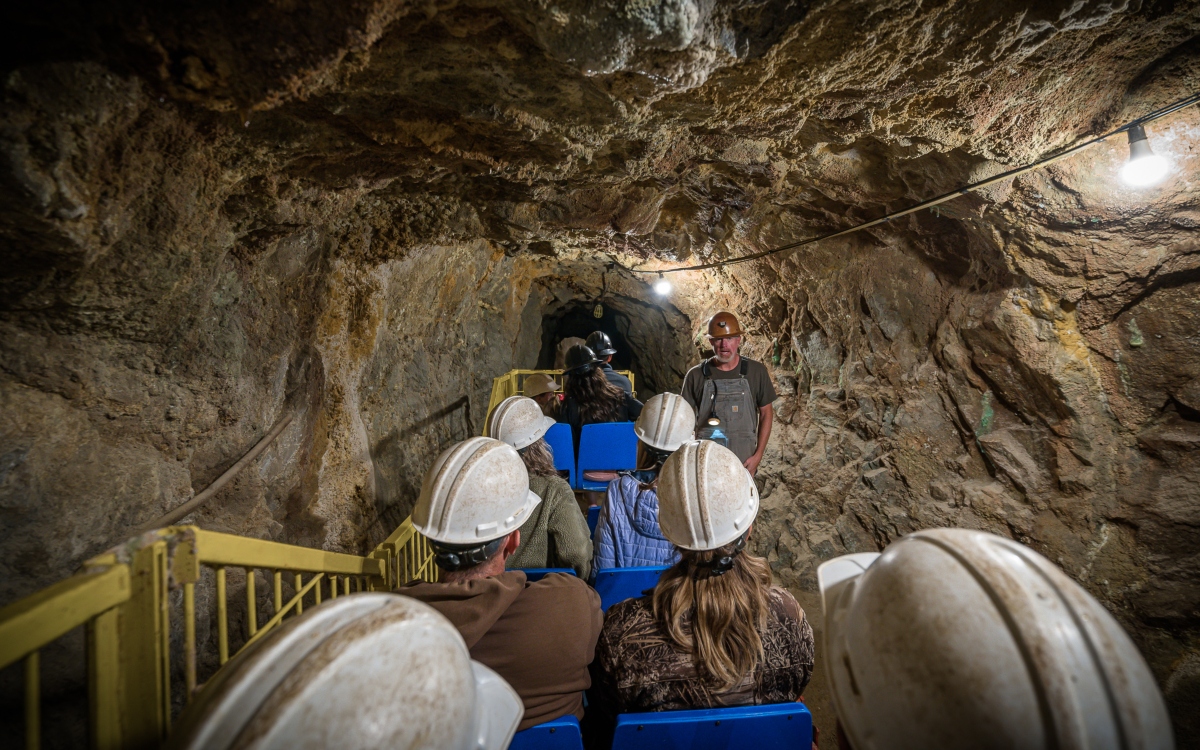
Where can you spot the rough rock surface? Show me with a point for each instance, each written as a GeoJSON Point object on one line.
{"type": "Point", "coordinates": [361, 212]}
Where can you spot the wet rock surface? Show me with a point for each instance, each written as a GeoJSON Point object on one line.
{"type": "Point", "coordinates": [360, 213]}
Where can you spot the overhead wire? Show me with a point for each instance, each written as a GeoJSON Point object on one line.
{"type": "Point", "coordinates": [943, 198]}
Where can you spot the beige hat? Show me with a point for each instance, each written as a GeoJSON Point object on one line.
{"type": "Point", "coordinates": [539, 383]}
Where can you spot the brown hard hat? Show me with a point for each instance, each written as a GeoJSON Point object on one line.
{"type": "Point", "coordinates": [723, 325]}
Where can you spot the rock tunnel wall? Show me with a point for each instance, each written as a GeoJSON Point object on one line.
{"type": "Point", "coordinates": [361, 214]}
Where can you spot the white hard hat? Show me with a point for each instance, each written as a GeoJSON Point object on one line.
{"type": "Point", "coordinates": [706, 498]}
{"type": "Point", "coordinates": [518, 421]}
{"type": "Point", "coordinates": [476, 491]}
{"type": "Point", "coordinates": [667, 422]}
{"type": "Point", "coordinates": [363, 671]}
{"type": "Point", "coordinates": [957, 638]}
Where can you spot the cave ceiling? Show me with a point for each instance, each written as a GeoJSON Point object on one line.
{"type": "Point", "coordinates": [679, 131]}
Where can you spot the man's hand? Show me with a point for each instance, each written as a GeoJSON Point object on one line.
{"type": "Point", "coordinates": [752, 463]}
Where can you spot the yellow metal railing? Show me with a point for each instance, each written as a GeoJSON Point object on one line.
{"type": "Point", "coordinates": [512, 383]}
{"type": "Point", "coordinates": [124, 600]}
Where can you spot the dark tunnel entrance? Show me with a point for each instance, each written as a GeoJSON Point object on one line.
{"type": "Point", "coordinates": [657, 352]}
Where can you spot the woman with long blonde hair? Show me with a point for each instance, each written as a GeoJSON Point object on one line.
{"type": "Point", "coordinates": [714, 632]}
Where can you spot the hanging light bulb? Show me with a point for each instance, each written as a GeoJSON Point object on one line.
{"type": "Point", "coordinates": [1144, 167]}
{"type": "Point", "coordinates": [662, 287]}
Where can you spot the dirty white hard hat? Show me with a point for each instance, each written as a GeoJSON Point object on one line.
{"type": "Point", "coordinates": [476, 491]}
{"type": "Point", "coordinates": [368, 670]}
{"type": "Point", "coordinates": [518, 421]}
{"type": "Point", "coordinates": [957, 638]}
{"type": "Point", "coordinates": [706, 498]}
{"type": "Point", "coordinates": [667, 421]}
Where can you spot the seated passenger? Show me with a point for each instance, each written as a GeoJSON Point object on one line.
{"type": "Point", "coordinates": [541, 388]}
{"type": "Point", "coordinates": [590, 398]}
{"type": "Point", "coordinates": [602, 346]}
{"type": "Point", "coordinates": [539, 636]}
{"type": "Point", "coordinates": [627, 533]}
{"type": "Point", "coordinates": [714, 632]}
{"type": "Point", "coordinates": [556, 533]}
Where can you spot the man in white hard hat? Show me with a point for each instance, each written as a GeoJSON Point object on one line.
{"type": "Point", "coordinates": [540, 637]}
{"type": "Point", "coordinates": [955, 638]}
{"type": "Point", "coordinates": [735, 389]}
{"type": "Point", "coordinates": [360, 672]}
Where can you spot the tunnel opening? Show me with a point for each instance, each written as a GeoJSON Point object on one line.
{"type": "Point", "coordinates": [658, 351]}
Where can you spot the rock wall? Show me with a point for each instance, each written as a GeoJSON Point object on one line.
{"type": "Point", "coordinates": [360, 213]}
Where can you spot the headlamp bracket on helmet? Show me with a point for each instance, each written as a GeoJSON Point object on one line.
{"type": "Point", "coordinates": [452, 557]}
{"type": "Point", "coordinates": [719, 566]}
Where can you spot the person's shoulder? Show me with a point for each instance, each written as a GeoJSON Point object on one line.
{"type": "Point", "coordinates": [556, 485]}
{"type": "Point", "coordinates": [784, 600]}
{"type": "Point", "coordinates": [563, 589]}
{"type": "Point", "coordinates": [624, 616]}
{"type": "Point", "coordinates": [756, 366]}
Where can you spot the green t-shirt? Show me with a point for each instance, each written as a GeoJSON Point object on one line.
{"type": "Point", "coordinates": [756, 373]}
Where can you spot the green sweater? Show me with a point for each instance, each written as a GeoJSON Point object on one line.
{"type": "Point", "coordinates": [556, 535]}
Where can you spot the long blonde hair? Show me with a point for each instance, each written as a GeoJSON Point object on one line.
{"type": "Point", "coordinates": [718, 619]}
{"type": "Point", "coordinates": [539, 459]}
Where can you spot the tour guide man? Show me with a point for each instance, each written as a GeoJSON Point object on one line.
{"type": "Point", "coordinates": [736, 389]}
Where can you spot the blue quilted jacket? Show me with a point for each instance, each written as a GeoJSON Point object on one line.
{"type": "Point", "coordinates": [627, 534]}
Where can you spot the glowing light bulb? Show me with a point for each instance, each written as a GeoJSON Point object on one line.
{"type": "Point", "coordinates": [662, 287]}
{"type": "Point", "coordinates": [1144, 168]}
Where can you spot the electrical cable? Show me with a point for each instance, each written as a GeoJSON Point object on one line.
{"type": "Point", "coordinates": [944, 197]}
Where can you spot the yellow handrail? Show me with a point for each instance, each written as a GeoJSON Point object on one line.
{"type": "Point", "coordinates": [123, 598]}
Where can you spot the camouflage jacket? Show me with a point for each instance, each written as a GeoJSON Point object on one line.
{"type": "Point", "coordinates": [637, 668]}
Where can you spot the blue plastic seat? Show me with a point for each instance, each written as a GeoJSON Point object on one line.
{"type": "Point", "coordinates": [610, 446]}
{"type": "Point", "coordinates": [559, 439]}
{"type": "Point", "coordinates": [618, 584]}
{"type": "Point", "coordinates": [536, 574]}
{"type": "Point", "coordinates": [779, 726]}
{"type": "Point", "coordinates": [593, 519]}
{"type": "Point", "coordinates": [559, 734]}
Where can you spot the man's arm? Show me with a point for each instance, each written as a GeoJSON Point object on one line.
{"type": "Point", "coordinates": [766, 415]}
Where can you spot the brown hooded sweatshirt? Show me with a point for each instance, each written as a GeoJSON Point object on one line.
{"type": "Point", "coordinates": [540, 637]}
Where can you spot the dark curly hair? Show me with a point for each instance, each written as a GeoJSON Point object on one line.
{"type": "Point", "coordinates": [598, 399]}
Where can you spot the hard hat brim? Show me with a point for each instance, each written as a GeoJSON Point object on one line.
{"type": "Point", "coordinates": [606, 352]}
{"type": "Point", "coordinates": [546, 424]}
{"type": "Point", "coordinates": [498, 708]}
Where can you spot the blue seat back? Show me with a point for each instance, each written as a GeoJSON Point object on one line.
{"type": "Point", "coordinates": [606, 446]}
{"type": "Point", "coordinates": [593, 518]}
{"type": "Point", "coordinates": [618, 584]}
{"type": "Point", "coordinates": [778, 726]}
{"type": "Point", "coordinates": [537, 574]}
{"type": "Point", "coordinates": [560, 734]}
{"type": "Point", "coordinates": [559, 439]}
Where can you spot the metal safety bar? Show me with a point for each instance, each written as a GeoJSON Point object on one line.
{"type": "Point", "coordinates": [123, 599]}
{"type": "Point", "coordinates": [512, 383]}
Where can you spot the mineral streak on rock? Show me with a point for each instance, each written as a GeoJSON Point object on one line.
{"type": "Point", "coordinates": [362, 212]}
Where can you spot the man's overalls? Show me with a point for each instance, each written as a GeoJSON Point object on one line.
{"type": "Point", "coordinates": [732, 400]}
